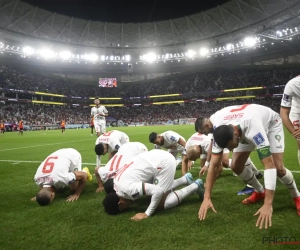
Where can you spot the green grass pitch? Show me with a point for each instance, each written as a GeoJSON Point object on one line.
{"type": "Point", "coordinates": [84, 225]}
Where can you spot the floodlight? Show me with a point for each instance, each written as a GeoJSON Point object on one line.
{"type": "Point", "coordinates": [28, 50]}
{"type": "Point", "coordinates": [127, 58]}
{"type": "Point", "coordinates": [191, 53]}
{"type": "Point", "coordinates": [150, 57]}
{"type": "Point", "coordinates": [249, 41]}
{"type": "Point", "coordinates": [229, 46]}
{"type": "Point", "coordinates": [47, 53]}
{"type": "Point", "coordinates": [65, 55]}
{"type": "Point", "coordinates": [203, 51]}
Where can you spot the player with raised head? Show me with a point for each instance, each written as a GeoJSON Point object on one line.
{"type": "Point", "coordinates": [98, 113]}
{"type": "Point", "coordinates": [170, 140]}
{"type": "Point", "coordinates": [92, 125]}
{"type": "Point", "coordinates": [241, 129]}
{"type": "Point", "coordinates": [2, 128]}
{"type": "Point", "coordinates": [63, 126]}
{"type": "Point", "coordinates": [59, 169]}
{"type": "Point", "coordinates": [205, 126]}
{"type": "Point", "coordinates": [21, 127]}
{"type": "Point", "coordinates": [151, 174]}
{"type": "Point", "coordinates": [109, 142]}
{"type": "Point", "coordinates": [290, 109]}
{"type": "Point", "coordinates": [125, 154]}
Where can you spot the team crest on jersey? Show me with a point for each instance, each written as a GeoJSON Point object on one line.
{"type": "Point", "coordinates": [286, 97]}
{"type": "Point", "coordinates": [75, 169]}
{"type": "Point", "coordinates": [172, 138]}
{"type": "Point", "coordinates": [156, 181]}
{"type": "Point", "coordinates": [259, 139]}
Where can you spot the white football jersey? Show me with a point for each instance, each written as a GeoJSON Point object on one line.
{"type": "Point", "coordinates": [201, 140]}
{"type": "Point", "coordinates": [291, 95]}
{"type": "Point", "coordinates": [128, 182]}
{"type": "Point", "coordinates": [57, 169]}
{"type": "Point", "coordinates": [251, 119]}
{"type": "Point", "coordinates": [171, 139]}
{"type": "Point", "coordinates": [125, 154]}
{"type": "Point", "coordinates": [96, 112]}
{"type": "Point", "coordinates": [114, 139]}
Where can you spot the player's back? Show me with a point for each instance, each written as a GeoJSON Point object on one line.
{"type": "Point", "coordinates": [199, 139]}
{"type": "Point", "coordinates": [171, 138]}
{"type": "Point", "coordinates": [132, 148]}
{"type": "Point", "coordinates": [237, 114]}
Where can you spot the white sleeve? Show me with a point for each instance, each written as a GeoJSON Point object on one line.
{"type": "Point", "coordinates": [115, 145]}
{"type": "Point", "coordinates": [92, 113]}
{"type": "Point", "coordinates": [173, 136]}
{"type": "Point", "coordinates": [105, 110]}
{"type": "Point", "coordinates": [216, 149]}
{"type": "Point", "coordinates": [157, 193]}
{"type": "Point", "coordinates": [103, 173]}
{"type": "Point", "coordinates": [287, 96]}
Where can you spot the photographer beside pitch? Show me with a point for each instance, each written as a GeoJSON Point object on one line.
{"type": "Point", "coordinates": [241, 129]}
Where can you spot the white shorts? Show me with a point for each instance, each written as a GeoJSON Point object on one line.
{"type": "Point", "coordinates": [175, 152]}
{"type": "Point", "coordinates": [226, 151]}
{"type": "Point", "coordinates": [164, 177]}
{"type": "Point", "coordinates": [295, 119]}
{"type": "Point", "coordinates": [100, 127]}
{"type": "Point", "coordinates": [275, 137]}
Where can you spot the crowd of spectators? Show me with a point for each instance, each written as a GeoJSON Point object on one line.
{"type": "Point", "coordinates": [36, 114]}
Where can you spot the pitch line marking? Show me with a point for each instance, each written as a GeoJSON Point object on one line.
{"type": "Point", "coordinates": [91, 164]}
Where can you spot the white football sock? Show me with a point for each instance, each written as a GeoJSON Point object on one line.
{"type": "Point", "coordinates": [249, 164]}
{"type": "Point", "coordinates": [174, 198]}
{"type": "Point", "coordinates": [179, 182]}
{"type": "Point", "coordinates": [299, 156]}
{"type": "Point", "coordinates": [98, 160]}
{"type": "Point", "coordinates": [289, 182]}
{"type": "Point", "coordinates": [249, 177]}
{"type": "Point", "coordinates": [229, 163]}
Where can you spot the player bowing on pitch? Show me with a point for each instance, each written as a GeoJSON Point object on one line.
{"type": "Point", "coordinates": [98, 113]}
{"type": "Point", "coordinates": [241, 129]}
{"type": "Point", "coordinates": [59, 169]}
{"type": "Point", "coordinates": [152, 174]}
{"type": "Point", "coordinates": [170, 140]}
{"type": "Point", "coordinates": [125, 154]}
{"type": "Point", "coordinates": [109, 142]}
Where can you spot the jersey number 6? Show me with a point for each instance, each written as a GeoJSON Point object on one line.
{"type": "Point", "coordinates": [48, 166]}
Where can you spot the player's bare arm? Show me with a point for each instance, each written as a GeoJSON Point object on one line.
{"type": "Point", "coordinates": [156, 194]}
{"type": "Point", "coordinates": [182, 142]}
{"type": "Point", "coordinates": [184, 165]}
{"type": "Point", "coordinates": [265, 212]}
{"type": "Point", "coordinates": [81, 177]}
{"type": "Point", "coordinates": [99, 181]}
{"type": "Point", "coordinates": [284, 113]}
{"type": "Point", "coordinates": [215, 163]}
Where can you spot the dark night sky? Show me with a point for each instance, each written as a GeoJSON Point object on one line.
{"type": "Point", "coordinates": [126, 10]}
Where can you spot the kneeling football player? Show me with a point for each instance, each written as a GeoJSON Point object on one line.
{"type": "Point", "coordinates": [59, 169]}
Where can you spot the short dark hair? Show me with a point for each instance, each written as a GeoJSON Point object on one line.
{"type": "Point", "coordinates": [223, 134]}
{"type": "Point", "coordinates": [99, 149]}
{"type": "Point", "coordinates": [43, 199]}
{"type": "Point", "coordinates": [199, 123]}
{"type": "Point", "coordinates": [152, 137]}
{"type": "Point", "coordinates": [111, 204]}
{"type": "Point", "coordinates": [109, 186]}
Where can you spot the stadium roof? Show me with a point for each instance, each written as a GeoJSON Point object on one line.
{"type": "Point", "coordinates": [23, 22]}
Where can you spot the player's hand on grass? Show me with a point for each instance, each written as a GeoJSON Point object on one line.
{"type": "Point", "coordinates": [99, 189]}
{"type": "Point", "coordinates": [296, 133]}
{"type": "Point", "coordinates": [203, 170]}
{"type": "Point", "coordinates": [73, 197]}
{"type": "Point", "coordinates": [206, 204]}
{"type": "Point", "coordinates": [265, 216]}
{"type": "Point", "coordinates": [33, 199]}
{"type": "Point", "coordinates": [139, 216]}
{"type": "Point", "coordinates": [190, 164]}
